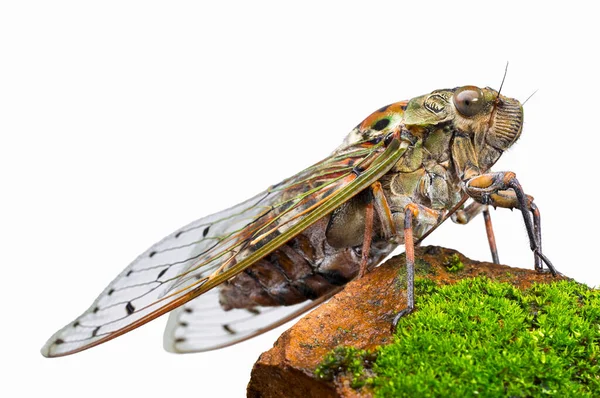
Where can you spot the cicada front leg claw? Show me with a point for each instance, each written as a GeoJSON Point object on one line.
{"type": "Point", "coordinates": [502, 189]}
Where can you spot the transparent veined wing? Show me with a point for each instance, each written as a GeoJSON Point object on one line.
{"type": "Point", "coordinates": [202, 325]}
{"type": "Point", "coordinates": [205, 253]}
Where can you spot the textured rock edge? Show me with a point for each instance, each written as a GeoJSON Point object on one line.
{"type": "Point", "coordinates": [360, 316]}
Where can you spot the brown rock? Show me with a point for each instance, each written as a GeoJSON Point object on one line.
{"type": "Point", "coordinates": [360, 316]}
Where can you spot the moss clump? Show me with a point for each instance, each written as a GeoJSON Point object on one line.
{"type": "Point", "coordinates": [348, 361]}
{"type": "Point", "coordinates": [423, 268]}
{"type": "Point", "coordinates": [453, 264]}
{"type": "Point", "coordinates": [485, 338]}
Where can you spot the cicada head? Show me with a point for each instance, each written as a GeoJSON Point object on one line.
{"type": "Point", "coordinates": [491, 120]}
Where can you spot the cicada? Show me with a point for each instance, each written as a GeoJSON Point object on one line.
{"type": "Point", "coordinates": [396, 176]}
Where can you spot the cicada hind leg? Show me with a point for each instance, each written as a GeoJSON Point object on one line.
{"type": "Point", "coordinates": [411, 217]}
{"type": "Point", "coordinates": [411, 212]}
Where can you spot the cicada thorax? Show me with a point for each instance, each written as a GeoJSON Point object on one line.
{"type": "Point", "coordinates": [424, 177]}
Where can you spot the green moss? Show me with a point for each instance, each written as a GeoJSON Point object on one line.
{"type": "Point", "coordinates": [348, 361]}
{"type": "Point", "coordinates": [484, 338]}
{"type": "Point", "coordinates": [424, 286]}
{"type": "Point", "coordinates": [453, 264]}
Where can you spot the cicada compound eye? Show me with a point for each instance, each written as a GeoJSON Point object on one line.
{"type": "Point", "coordinates": [468, 100]}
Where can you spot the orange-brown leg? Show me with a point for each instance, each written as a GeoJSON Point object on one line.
{"type": "Point", "coordinates": [409, 245]}
{"type": "Point", "coordinates": [377, 205]}
{"type": "Point", "coordinates": [384, 213]}
{"type": "Point", "coordinates": [366, 247]}
{"type": "Point", "coordinates": [490, 235]}
{"type": "Point", "coordinates": [464, 216]}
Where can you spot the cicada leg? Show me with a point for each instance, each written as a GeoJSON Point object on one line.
{"type": "Point", "coordinates": [464, 216]}
{"type": "Point", "coordinates": [379, 205]}
{"type": "Point", "coordinates": [537, 226]}
{"type": "Point", "coordinates": [502, 189]}
{"type": "Point", "coordinates": [410, 212]}
{"type": "Point", "coordinates": [489, 230]}
{"type": "Point", "coordinates": [368, 238]}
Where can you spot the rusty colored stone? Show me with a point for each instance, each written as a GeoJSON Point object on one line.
{"type": "Point", "coordinates": [360, 316]}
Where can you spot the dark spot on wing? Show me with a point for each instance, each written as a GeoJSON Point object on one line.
{"type": "Point", "coordinates": [151, 254]}
{"type": "Point", "coordinates": [95, 332]}
{"type": "Point", "coordinates": [76, 324]}
{"type": "Point", "coordinates": [129, 308]}
{"type": "Point", "coordinates": [129, 273]}
{"type": "Point", "coordinates": [205, 232]}
{"type": "Point", "coordinates": [161, 273]}
{"type": "Point", "coordinates": [228, 329]}
{"type": "Point", "coordinates": [188, 310]}
{"type": "Point", "coordinates": [180, 340]}
{"type": "Point", "coordinates": [183, 324]}
{"type": "Point", "coordinates": [95, 310]}
{"type": "Point", "coordinates": [111, 291]}
{"type": "Point", "coordinates": [254, 311]}
{"type": "Point", "coordinates": [381, 124]}
{"type": "Point", "coordinates": [59, 341]}
{"type": "Point", "coordinates": [178, 234]}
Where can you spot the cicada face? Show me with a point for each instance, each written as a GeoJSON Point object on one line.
{"type": "Point", "coordinates": [493, 121]}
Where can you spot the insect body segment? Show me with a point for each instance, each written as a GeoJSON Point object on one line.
{"type": "Point", "coordinates": [240, 272]}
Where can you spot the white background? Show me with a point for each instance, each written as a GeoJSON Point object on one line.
{"type": "Point", "coordinates": [121, 121]}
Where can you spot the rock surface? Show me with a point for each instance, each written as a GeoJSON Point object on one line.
{"type": "Point", "coordinates": [361, 316]}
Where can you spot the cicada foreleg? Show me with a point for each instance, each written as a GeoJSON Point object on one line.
{"type": "Point", "coordinates": [502, 189]}
{"type": "Point", "coordinates": [464, 216]}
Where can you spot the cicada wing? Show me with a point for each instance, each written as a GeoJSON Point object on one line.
{"type": "Point", "coordinates": [209, 251]}
{"type": "Point", "coordinates": [202, 325]}
{"type": "Point", "coordinates": [141, 290]}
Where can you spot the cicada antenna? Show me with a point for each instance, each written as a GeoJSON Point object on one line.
{"type": "Point", "coordinates": [503, 78]}
{"type": "Point", "coordinates": [497, 101]}
{"type": "Point", "coordinates": [528, 98]}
